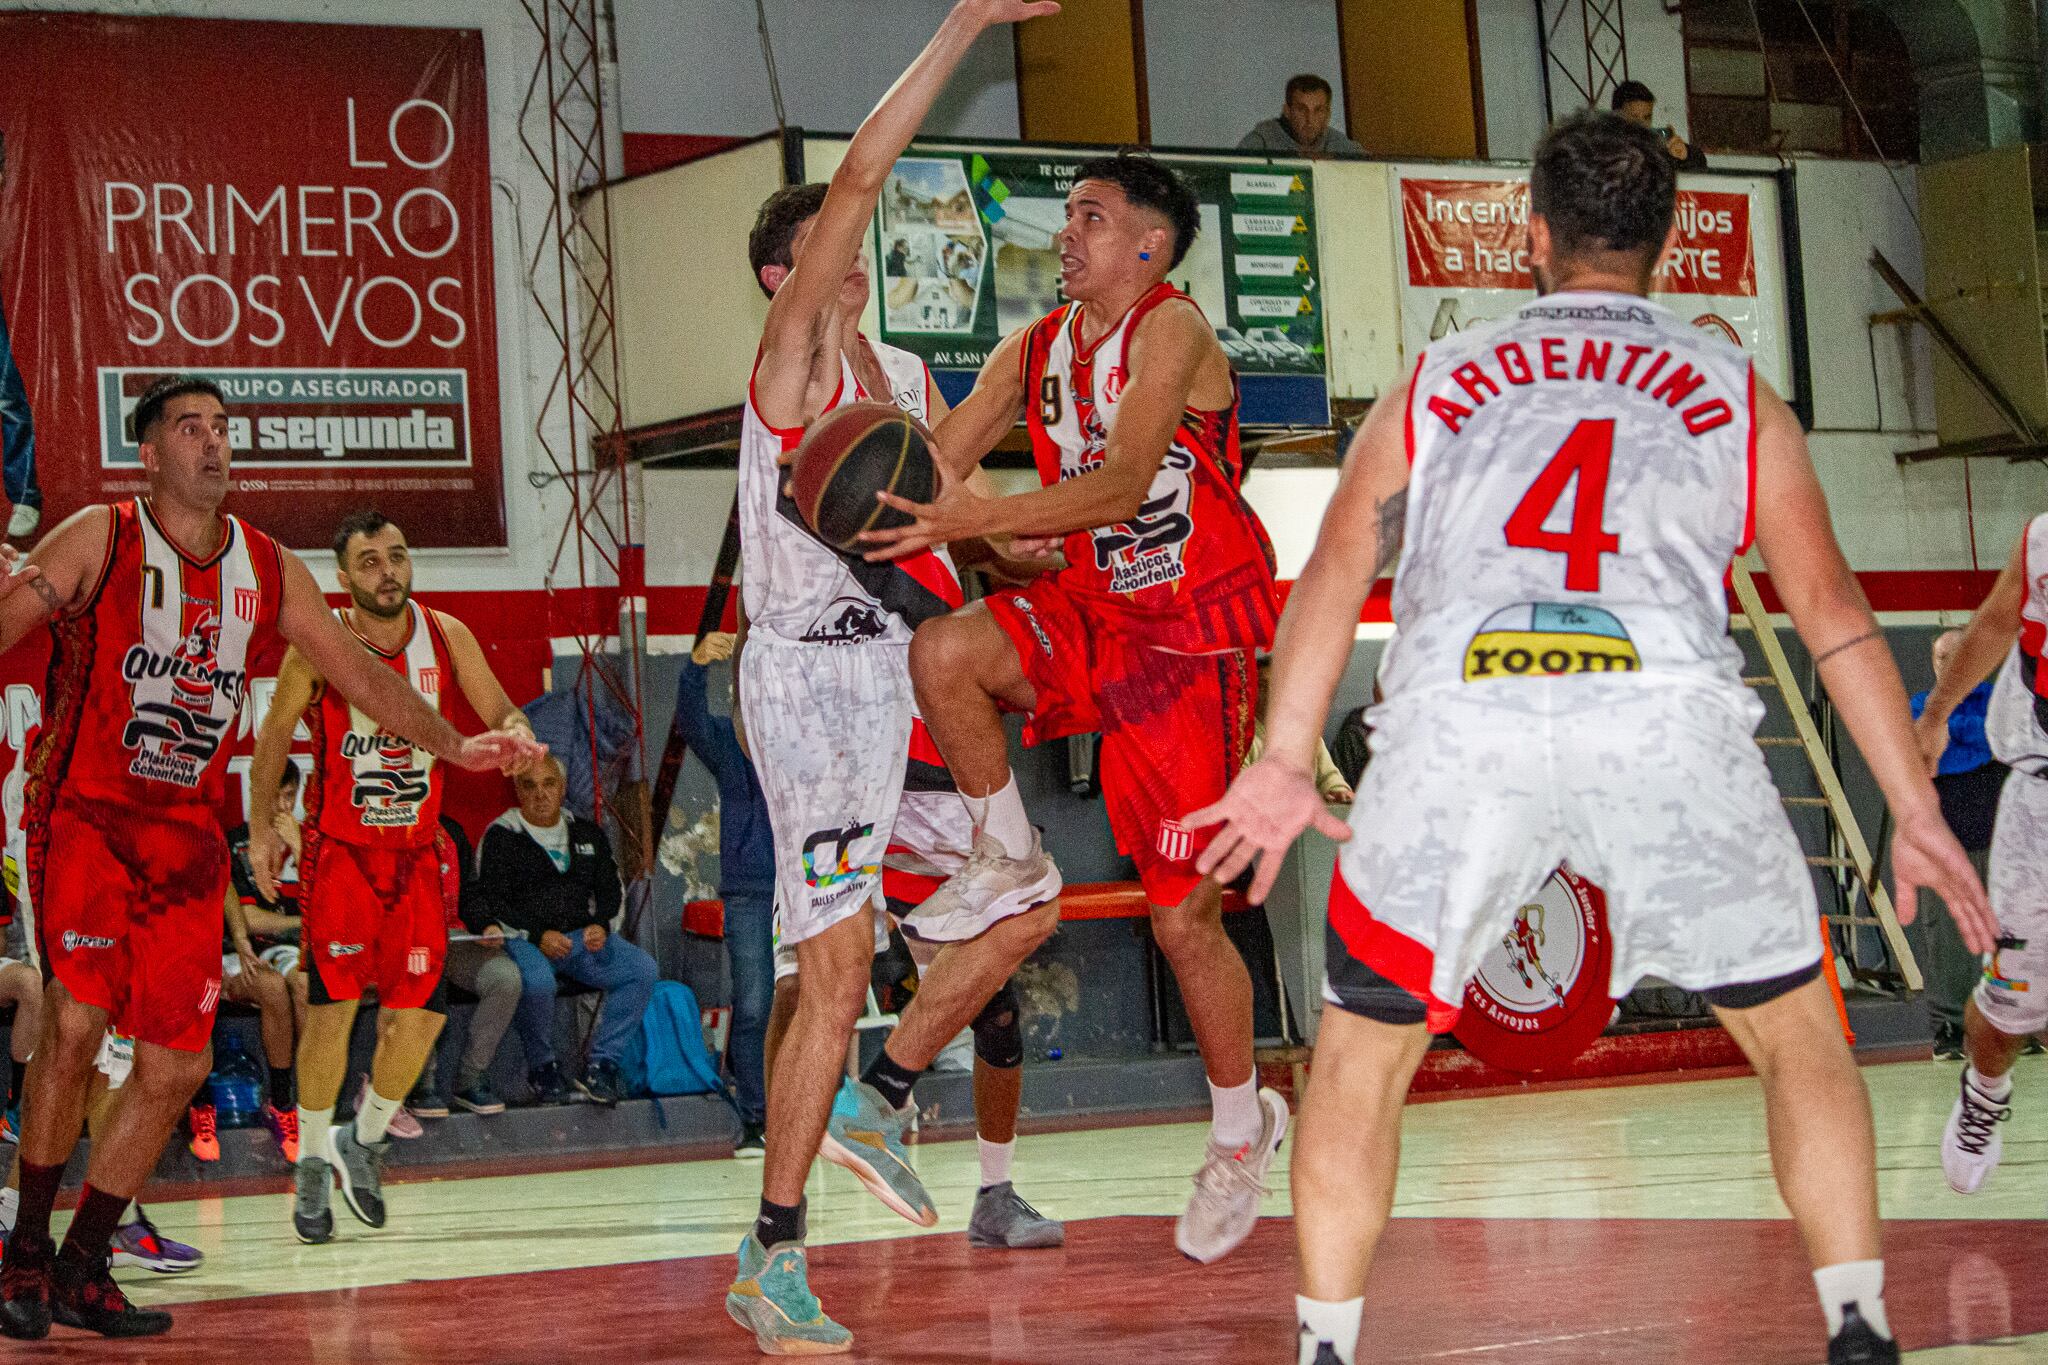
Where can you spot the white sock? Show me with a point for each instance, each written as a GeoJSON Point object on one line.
{"type": "Point", "coordinates": [1235, 1118]}
{"type": "Point", "coordinates": [374, 1117]}
{"type": "Point", "coordinates": [1857, 1282]}
{"type": "Point", "coordinates": [1993, 1087]}
{"type": "Point", "coordinates": [1336, 1323]}
{"type": "Point", "coordinates": [1000, 815]}
{"type": "Point", "coordinates": [995, 1160]}
{"type": "Point", "coordinates": [313, 1126]}
{"type": "Point", "coordinates": [10, 1204]}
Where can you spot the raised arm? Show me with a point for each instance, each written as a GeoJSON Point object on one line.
{"type": "Point", "coordinates": [1983, 647]}
{"type": "Point", "coordinates": [1274, 800]}
{"type": "Point", "coordinates": [1828, 609]}
{"type": "Point", "coordinates": [807, 299]}
{"type": "Point", "coordinates": [1167, 352]}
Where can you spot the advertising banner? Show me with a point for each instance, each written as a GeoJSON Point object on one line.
{"type": "Point", "coordinates": [965, 254]}
{"type": "Point", "coordinates": [1465, 259]}
{"type": "Point", "coordinates": [300, 212]}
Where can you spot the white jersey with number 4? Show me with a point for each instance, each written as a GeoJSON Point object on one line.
{"type": "Point", "coordinates": [2016, 725]}
{"type": "Point", "coordinates": [1582, 473]}
{"type": "Point", "coordinates": [797, 589]}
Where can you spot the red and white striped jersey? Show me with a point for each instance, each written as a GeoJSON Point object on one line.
{"type": "Point", "coordinates": [371, 786]}
{"type": "Point", "coordinates": [2016, 725]}
{"type": "Point", "coordinates": [1582, 476]}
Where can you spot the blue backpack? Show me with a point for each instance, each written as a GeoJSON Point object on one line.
{"type": "Point", "coordinates": [668, 1055]}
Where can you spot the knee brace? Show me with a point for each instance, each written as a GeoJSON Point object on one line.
{"type": "Point", "coordinates": [998, 1034]}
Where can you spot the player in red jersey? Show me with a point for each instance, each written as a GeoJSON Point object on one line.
{"type": "Point", "coordinates": [1147, 635]}
{"type": "Point", "coordinates": [369, 877]}
{"type": "Point", "coordinates": [156, 607]}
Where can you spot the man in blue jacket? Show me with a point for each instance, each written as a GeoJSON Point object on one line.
{"type": "Point", "coordinates": [746, 880]}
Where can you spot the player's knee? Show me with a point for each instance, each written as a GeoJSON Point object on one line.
{"type": "Point", "coordinates": [999, 1031]}
{"type": "Point", "coordinates": [73, 1032]}
{"type": "Point", "coordinates": [946, 647]}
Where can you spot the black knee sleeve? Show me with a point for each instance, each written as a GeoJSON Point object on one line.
{"type": "Point", "coordinates": [998, 1035]}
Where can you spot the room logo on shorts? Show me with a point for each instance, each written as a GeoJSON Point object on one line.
{"type": "Point", "coordinates": [1540, 995]}
{"type": "Point", "coordinates": [1549, 640]}
{"type": "Point", "coordinates": [1176, 841]}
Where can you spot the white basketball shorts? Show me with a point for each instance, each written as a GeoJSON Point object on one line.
{"type": "Point", "coordinates": [1653, 789]}
{"type": "Point", "coordinates": [2013, 996]}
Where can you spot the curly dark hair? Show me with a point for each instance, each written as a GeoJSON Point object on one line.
{"type": "Point", "coordinates": [1153, 185]}
{"type": "Point", "coordinates": [782, 213]}
{"type": "Point", "coordinates": [1604, 183]}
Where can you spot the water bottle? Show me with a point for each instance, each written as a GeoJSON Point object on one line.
{"type": "Point", "coordinates": [236, 1085]}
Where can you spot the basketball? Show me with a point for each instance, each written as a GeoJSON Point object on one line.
{"type": "Point", "coordinates": [849, 455]}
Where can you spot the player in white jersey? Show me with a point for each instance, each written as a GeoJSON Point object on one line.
{"type": "Point", "coordinates": [2010, 1004]}
{"type": "Point", "coordinates": [825, 691]}
{"type": "Point", "coordinates": [1570, 487]}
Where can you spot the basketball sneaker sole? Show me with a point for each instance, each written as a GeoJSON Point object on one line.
{"type": "Point", "coordinates": [778, 1346]}
{"type": "Point", "coordinates": [867, 1174]}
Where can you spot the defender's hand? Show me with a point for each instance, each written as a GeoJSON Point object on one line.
{"type": "Point", "coordinates": [1925, 854]}
{"type": "Point", "coordinates": [265, 857]}
{"type": "Point", "coordinates": [993, 12]}
{"type": "Point", "coordinates": [1266, 809]}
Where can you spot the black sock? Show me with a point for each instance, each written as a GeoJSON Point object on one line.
{"type": "Point", "coordinates": [92, 1227]}
{"type": "Point", "coordinates": [15, 1080]}
{"type": "Point", "coordinates": [779, 1223]}
{"type": "Point", "coordinates": [38, 1195]}
{"type": "Point", "coordinates": [892, 1080]}
{"type": "Point", "coordinates": [284, 1087]}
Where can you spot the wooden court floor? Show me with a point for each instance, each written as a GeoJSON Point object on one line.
{"type": "Point", "coordinates": [1635, 1223]}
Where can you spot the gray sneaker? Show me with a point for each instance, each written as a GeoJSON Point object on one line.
{"type": "Point", "coordinates": [1228, 1189]}
{"type": "Point", "coordinates": [1002, 1219]}
{"type": "Point", "coordinates": [866, 1137]}
{"type": "Point", "coordinates": [361, 1167]}
{"type": "Point", "coordinates": [991, 886]}
{"type": "Point", "coordinates": [312, 1218]}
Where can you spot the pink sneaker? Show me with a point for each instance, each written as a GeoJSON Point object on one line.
{"type": "Point", "coordinates": [403, 1124]}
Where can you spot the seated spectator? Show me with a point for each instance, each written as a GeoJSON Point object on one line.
{"type": "Point", "coordinates": [256, 968]}
{"type": "Point", "coordinates": [565, 721]}
{"type": "Point", "coordinates": [21, 986]}
{"type": "Point", "coordinates": [1303, 128]}
{"type": "Point", "coordinates": [547, 879]}
{"type": "Point", "coordinates": [478, 964]}
{"type": "Point", "coordinates": [746, 882]}
{"type": "Point", "coordinates": [1636, 102]}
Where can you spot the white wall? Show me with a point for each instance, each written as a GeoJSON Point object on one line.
{"type": "Point", "coordinates": [1656, 57]}
{"type": "Point", "coordinates": [1214, 68]}
{"type": "Point", "coordinates": [1511, 77]}
{"type": "Point", "coordinates": [695, 66]}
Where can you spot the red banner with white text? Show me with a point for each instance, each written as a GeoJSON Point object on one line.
{"type": "Point", "coordinates": [300, 212]}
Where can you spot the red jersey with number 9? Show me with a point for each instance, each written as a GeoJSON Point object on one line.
{"type": "Point", "coordinates": [1582, 473]}
{"type": "Point", "coordinates": [1193, 570]}
{"type": "Point", "coordinates": [147, 678]}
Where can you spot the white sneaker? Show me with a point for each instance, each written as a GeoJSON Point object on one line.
{"type": "Point", "coordinates": [24, 520]}
{"type": "Point", "coordinates": [1228, 1188]}
{"type": "Point", "coordinates": [1972, 1144]}
{"type": "Point", "coordinates": [990, 887]}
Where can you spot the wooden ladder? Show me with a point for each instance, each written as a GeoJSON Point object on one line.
{"type": "Point", "coordinates": [1848, 852]}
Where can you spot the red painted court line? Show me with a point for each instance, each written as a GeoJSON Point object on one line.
{"type": "Point", "coordinates": [1554, 1292]}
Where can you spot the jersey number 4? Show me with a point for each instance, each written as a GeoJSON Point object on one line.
{"type": "Point", "coordinates": [1587, 452]}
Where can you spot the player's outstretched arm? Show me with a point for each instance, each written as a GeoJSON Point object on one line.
{"type": "Point", "coordinates": [381, 692]}
{"type": "Point", "coordinates": [807, 300]}
{"type": "Point", "coordinates": [296, 683]}
{"type": "Point", "coordinates": [1167, 353]}
{"type": "Point", "coordinates": [486, 695]}
{"type": "Point", "coordinates": [55, 576]}
{"type": "Point", "coordinates": [1275, 800]}
{"type": "Point", "coordinates": [1983, 646]}
{"type": "Point", "coordinates": [1828, 609]}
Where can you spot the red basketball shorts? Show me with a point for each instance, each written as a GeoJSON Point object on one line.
{"type": "Point", "coordinates": [373, 917]}
{"type": "Point", "coordinates": [128, 915]}
{"type": "Point", "coordinates": [1174, 727]}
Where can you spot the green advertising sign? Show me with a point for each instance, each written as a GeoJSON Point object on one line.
{"type": "Point", "coordinates": [965, 252]}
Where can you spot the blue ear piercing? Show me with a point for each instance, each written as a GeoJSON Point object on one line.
{"type": "Point", "coordinates": [1144, 255]}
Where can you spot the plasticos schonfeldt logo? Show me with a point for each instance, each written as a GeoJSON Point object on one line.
{"type": "Point", "coordinates": [313, 418]}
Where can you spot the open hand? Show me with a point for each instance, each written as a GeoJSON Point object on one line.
{"type": "Point", "coordinates": [956, 514]}
{"type": "Point", "coordinates": [508, 751]}
{"type": "Point", "coordinates": [1266, 809]}
{"type": "Point", "coordinates": [1925, 854]}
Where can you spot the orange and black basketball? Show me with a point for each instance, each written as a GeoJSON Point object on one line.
{"type": "Point", "coordinates": [847, 456]}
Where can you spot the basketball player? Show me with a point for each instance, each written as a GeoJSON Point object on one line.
{"type": "Point", "coordinates": [158, 606]}
{"type": "Point", "coordinates": [1571, 485]}
{"type": "Point", "coordinates": [2010, 1004]}
{"type": "Point", "coordinates": [370, 894]}
{"type": "Point", "coordinates": [1147, 635]}
{"type": "Point", "coordinates": [825, 689]}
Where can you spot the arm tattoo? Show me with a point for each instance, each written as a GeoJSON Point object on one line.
{"type": "Point", "coordinates": [1391, 516]}
{"type": "Point", "coordinates": [1848, 644]}
{"type": "Point", "coordinates": [47, 593]}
